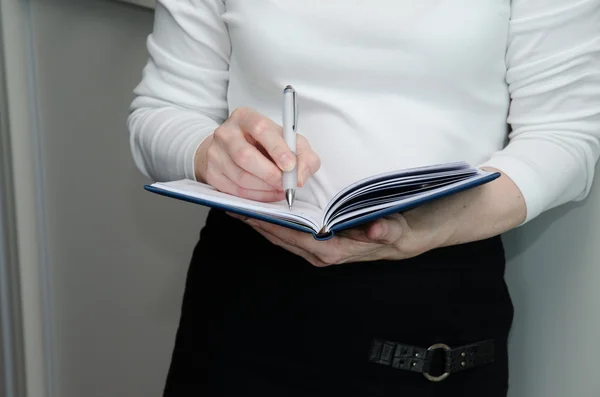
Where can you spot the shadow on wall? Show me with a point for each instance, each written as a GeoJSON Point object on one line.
{"type": "Point", "coordinates": [551, 266]}
{"type": "Point", "coordinates": [520, 239]}
{"type": "Point", "coordinates": [560, 259]}
{"type": "Point", "coordinates": [144, 205]}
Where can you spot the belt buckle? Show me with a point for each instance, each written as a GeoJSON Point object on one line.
{"type": "Point", "coordinates": [443, 376]}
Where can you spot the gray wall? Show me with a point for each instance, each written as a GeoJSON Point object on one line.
{"type": "Point", "coordinates": [554, 278]}
{"type": "Point", "coordinates": [118, 255]}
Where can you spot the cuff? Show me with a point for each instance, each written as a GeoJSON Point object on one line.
{"type": "Point", "coordinates": [189, 154]}
{"type": "Point", "coordinates": [526, 179]}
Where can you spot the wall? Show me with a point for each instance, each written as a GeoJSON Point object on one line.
{"type": "Point", "coordinates": [554, 275]}
{"type": "Point", "coordinates": [118, 255]}
{"type": "Point", "coordinates": [143, 3]}
{"type": "Point", "coordinates": [24, 285]}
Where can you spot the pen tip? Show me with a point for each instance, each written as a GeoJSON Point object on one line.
{"type": "Point", "coordinates": [289, 197]}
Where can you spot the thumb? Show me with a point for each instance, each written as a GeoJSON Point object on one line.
{"type": "Point", "coordinates": [384, 231]}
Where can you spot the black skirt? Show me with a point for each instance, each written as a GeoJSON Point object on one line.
{"type": "Point", "coordinates": [257, 320]}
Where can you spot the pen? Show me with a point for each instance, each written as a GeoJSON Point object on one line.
{"type": "Point", "coordinates": [290, 125]}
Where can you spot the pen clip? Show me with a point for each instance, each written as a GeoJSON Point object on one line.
{"type": "Point", "coordinates": [291, 90]}
{"type": "Point", "coordinates": [295, 126]}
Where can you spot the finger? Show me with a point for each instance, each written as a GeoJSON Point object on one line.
{"type": "Point", "coordinates": [337, 251]}
{"type": "Point", "coordinates": [250, 159]}
{"type": "Point", "coordinates": [242, 177]}
{"type": "Point", "coordinates": [237, 216]}
{"type": "Point", "coordinates": [382, 253]}
{"type": "Point", "coordinates": [384, 231]}
{"type": "Point", "coordinates": [313, 260]}
{"type": "Point", "coordinates": [222, 183]}
{"type": "Point", "coordinates": [358, 233]}
{"type": "Point", "coordinates": [308, 161]}
{"type": "Point", "coordinates": [333, 251]}
{"type": "Point", "coordinates": [269, 135]}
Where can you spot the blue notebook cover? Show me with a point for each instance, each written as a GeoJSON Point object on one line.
{"type": "Point", "coordinates": [359, 220]}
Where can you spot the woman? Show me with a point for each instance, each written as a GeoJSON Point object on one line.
{"type": "Point", "coordinates": [414, 304]}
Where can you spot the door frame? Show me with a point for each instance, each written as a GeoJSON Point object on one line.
{"type": "Point", "coordinates": [12, 365]}
{"type": "Point", "coordinates": [26, 366]}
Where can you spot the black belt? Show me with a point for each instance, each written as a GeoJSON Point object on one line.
{"type": "Point", "coordinates": [437, 362]}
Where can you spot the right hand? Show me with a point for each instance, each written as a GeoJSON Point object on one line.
{"type": "Point", "coordinates": [247, 154]}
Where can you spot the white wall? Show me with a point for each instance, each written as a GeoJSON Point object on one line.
{"type": "Point", "coordinates": [118, 255]}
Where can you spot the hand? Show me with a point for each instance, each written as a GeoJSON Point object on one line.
{"type": "Point", "coordinates": [475, 214]}
{"type": "Point", "coordinates": [246, 155]}
{"type": "Point", "coordinates": [385, 239]}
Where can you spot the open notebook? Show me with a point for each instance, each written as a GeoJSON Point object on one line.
{"type": "Point", "coordinates": [360, 202]}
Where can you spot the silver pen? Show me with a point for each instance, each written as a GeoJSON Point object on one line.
{"type": "Point", "coordinates": [290, 125]}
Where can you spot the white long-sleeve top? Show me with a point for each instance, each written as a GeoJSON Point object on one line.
{"type": "Point", "coordinates": [383, 85]}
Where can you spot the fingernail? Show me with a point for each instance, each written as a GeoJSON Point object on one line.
{"type": "Point", "coordinates": [286, 161]}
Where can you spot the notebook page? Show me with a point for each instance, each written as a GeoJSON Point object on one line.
{"type": "Point", "coordinates": [394, 197]}
{"type": "Point", "coordinates": [415, 181]}
{"type": "Point", "coordinates": [418, 180]}
{"type": "Point", "coordinates": [409, 173]}
{"type": "Point", "coordinates": [302, 213]}
{"type": "Point", "coordinates": [406, 200]}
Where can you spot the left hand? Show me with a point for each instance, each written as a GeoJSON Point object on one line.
{"type": "Point", "coordinates": [475, 214]}
{"type": "Point", "coordinates": [385, 239]}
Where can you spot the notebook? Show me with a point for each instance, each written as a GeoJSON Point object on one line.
{"type": "Point", "coordinates": [361, 202]}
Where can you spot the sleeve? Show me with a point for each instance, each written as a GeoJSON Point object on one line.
{"type": "Point", "coordinates": [182, 97]}
{"type": "Point", "coordinates": [553, 76]}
